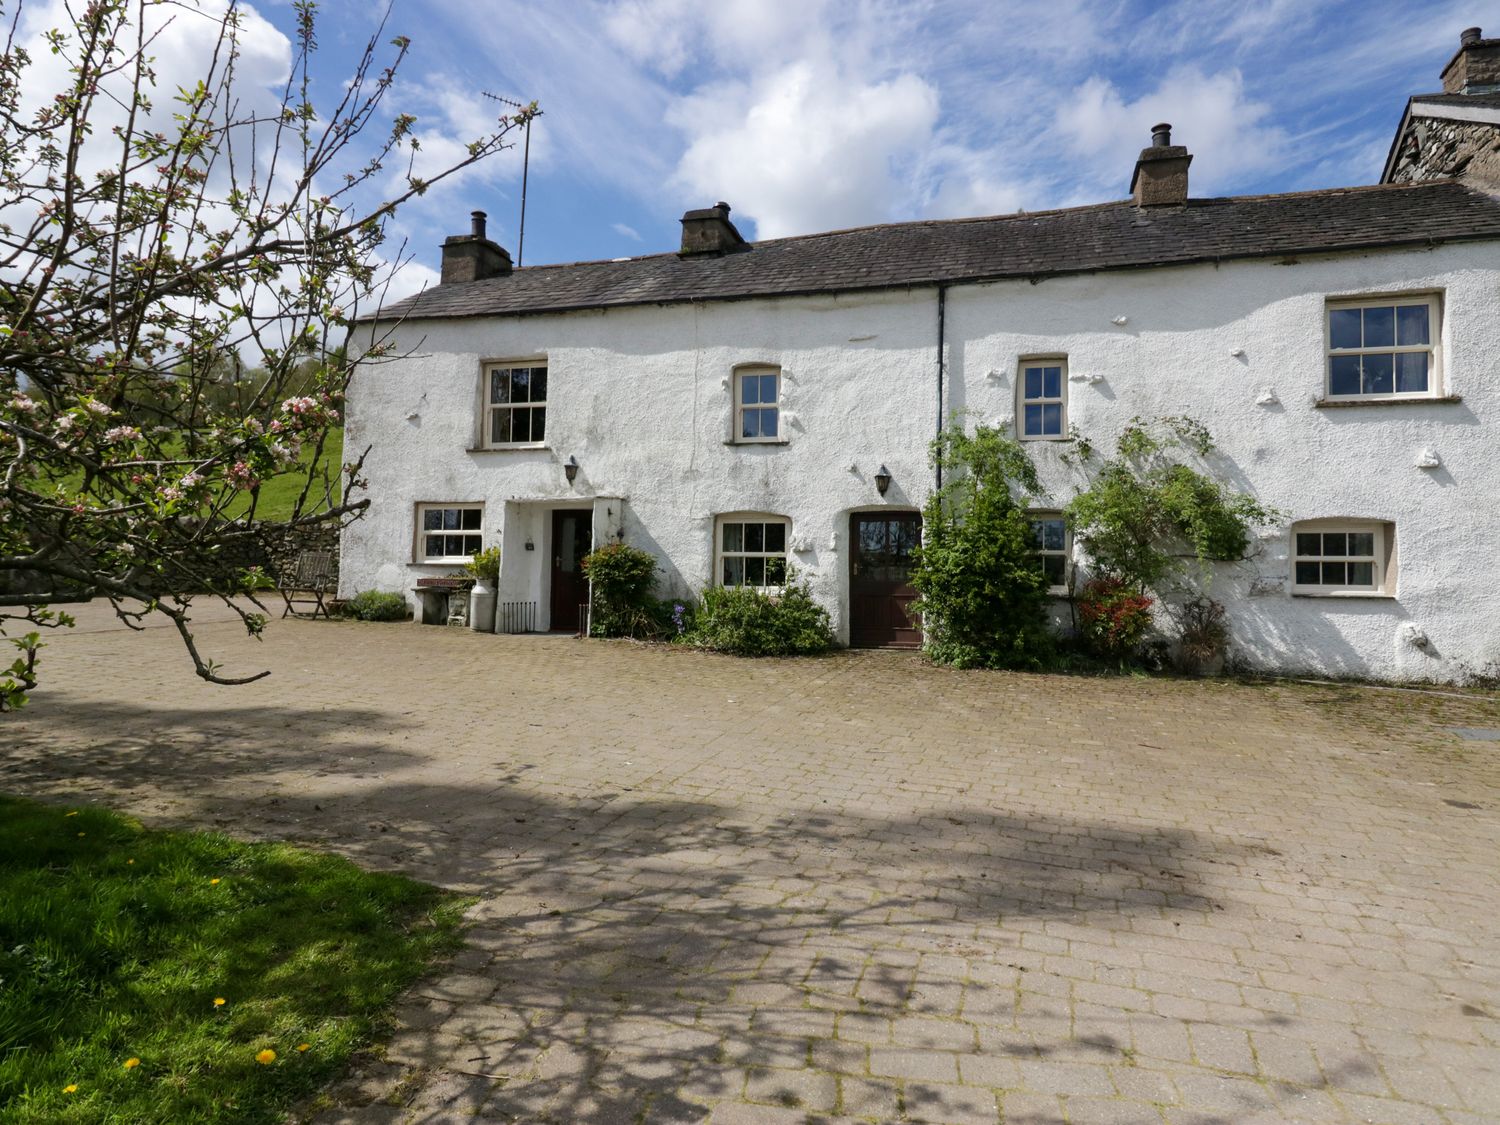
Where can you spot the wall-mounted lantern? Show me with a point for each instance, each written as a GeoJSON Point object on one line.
{"type": "Point", "coordinates": [570, 470]}
{"type": "Point", "coordinates": [882, 480]}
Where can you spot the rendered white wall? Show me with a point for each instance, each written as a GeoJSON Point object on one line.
{"type": "Point", "coordinates": [641, 397]}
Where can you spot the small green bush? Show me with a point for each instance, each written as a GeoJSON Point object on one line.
{"type": "Point", "coordinates": [746, 622]}
{"type": "Point", "coordinates": [983, 597]}
{"type": "Point", "coordinates": [484, 565]}
{"type": "Point", "coordinates": [622, 578]}
{"type": "Point", "coordinates": [376, 605]}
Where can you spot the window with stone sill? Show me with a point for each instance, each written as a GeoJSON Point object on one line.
{"type": "Point", "coordinates": [448, 533]}
{"type": "Point", "coordinates": [757, 410]}
{"type": "Point", "coordinates": [1383, 348]}
{"type": "Point", "coordinates": [1053, 546]}
{"type": "Point", "coordinates": [1041, 412]}
{"type": "Point", "coordinates": [752, 551]}
{"type": "Point", "coordinates": [1332, 558]}
{"type": "Point", "coordinates": [515, 405]}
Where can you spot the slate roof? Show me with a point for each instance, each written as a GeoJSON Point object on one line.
{"type": "Point", "coordinates": [1488, 101]}
{"type": "Point", "coordinates": [1076, 240]}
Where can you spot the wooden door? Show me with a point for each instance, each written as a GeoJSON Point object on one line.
{"type": "Point", "coordinates": [881, 545]}
{"type": "Point", "coordinates": [572, 535]}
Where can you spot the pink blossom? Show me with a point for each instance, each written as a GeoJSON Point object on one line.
{"type": "Point", "coordinates": [122, 433]}
{"type": "Point", "coordinates": [23, 403]}
{"type": "Point", "coordinates": [93, 406]}
{"type": "Point", "coordinates": [241, 476]}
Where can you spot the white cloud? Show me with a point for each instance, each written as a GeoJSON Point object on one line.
{"type": "Point", "coordinates": [626, 231]}
{"type": "Point", "coordinates": [806, 148]}
{"type": "Point", "coordinates": [1226, 132]}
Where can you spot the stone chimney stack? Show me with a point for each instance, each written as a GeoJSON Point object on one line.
{"type": "Point", "coordinates": [472, 256]}
{"type": "Point", "coordinates": [1161, 172]}
{"type": "Point", "coordinates": [1475, 69]}
{"type": "Point", "coordinates": [709, 231]}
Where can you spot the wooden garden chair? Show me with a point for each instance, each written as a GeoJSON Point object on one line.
{"type": "Point", "coordinates": [310, 580]}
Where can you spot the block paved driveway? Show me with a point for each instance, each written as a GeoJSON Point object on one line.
{"type": "Point", "coordinates": [852, 888]}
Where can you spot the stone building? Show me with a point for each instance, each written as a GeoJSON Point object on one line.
{"type": "Point", "coordinates": [740, 408]}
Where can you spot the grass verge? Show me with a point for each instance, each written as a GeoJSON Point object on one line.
{"type": "Point", "coordinates": [150, 976]}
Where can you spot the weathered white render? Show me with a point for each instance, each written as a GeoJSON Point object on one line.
{"type": "Point", "coordinates": [641, 394]}
{"type": "Point", "coordinates": [641, 397]}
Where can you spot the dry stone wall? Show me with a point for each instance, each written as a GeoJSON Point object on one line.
{"type": "Point", "coordinates": [1433, 149]}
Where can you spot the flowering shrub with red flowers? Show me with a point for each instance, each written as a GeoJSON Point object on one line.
{"type": "Point", "coordinates": [1112, 618]}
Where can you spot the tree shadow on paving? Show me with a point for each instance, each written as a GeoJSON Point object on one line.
{"type": "Point", "coordinates": [637, 953]}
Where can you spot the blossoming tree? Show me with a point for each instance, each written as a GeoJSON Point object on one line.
{"type": "Point", "coordinates": [150, 238]}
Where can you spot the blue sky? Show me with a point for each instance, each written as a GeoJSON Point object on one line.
{"type": "Point", "coordinates": [818, 114]}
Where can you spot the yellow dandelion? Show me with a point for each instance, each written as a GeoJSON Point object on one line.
{"type": "Point", "coordinates": [266, 1057]}
{"type": "Point", "coordinates": [130, 861]}
{"type": "Point", "coordinates": [213, 882]}
{"type": "Point", "coordinates": [218, 1001]}
{"type": "Point", "coordinates": [83, 833]}
{"type": "Point", "coordinates": [303, 1046]}
{"type": "Point", "coordinates": [132, 1063]}
{"type": "Point", "coordinates": [71, 1087]}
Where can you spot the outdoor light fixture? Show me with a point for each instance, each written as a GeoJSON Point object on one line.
{"type": "Point", "coordinates": [882, 480]}
{"type": "Point", "coordinates": [570, 470]}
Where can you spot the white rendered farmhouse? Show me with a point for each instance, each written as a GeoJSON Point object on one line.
{"type": "Point", "coordinates": [739, 408]}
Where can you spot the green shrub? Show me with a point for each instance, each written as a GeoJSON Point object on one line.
{"type": "Point", "coordinates": [1146, 504]}
{"type": "Point", "coordinates": [1113, 618]}
{"type": "Point", "coordinates": [376, 605]}
{"type": "Point", "coordinates": [983, 598]}
{"type": "Point", "coordinates": [746, 622]}
{"type": "Point", "coordinates": [622, 579]}
{"type": "Point", "coordinates": [484, 565]}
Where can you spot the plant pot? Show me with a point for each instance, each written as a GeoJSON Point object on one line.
{"type": "Point", "coordinates": [1201, 666]}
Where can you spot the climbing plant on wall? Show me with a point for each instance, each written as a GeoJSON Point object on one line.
{"type": "Point", "coordinates": [983, 596]}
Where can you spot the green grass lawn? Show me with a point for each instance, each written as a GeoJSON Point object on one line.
{"type": "Point", "coordinates": [147, 976]}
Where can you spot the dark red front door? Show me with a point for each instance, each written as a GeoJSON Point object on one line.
{"type": "Point", "coordinates": [881, 545]}
{"type": "Point", "coordinates": [572, 533]}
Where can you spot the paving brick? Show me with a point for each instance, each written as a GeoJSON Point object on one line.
{"type": "Point", "coordinates": [932, 1066]}
{"type": "Point", "coordinates": [1089, 899]}
{"type": "Point", "coordinates": [950, 1105]}
{"type": "Point", "coordinates": [807, 1089]}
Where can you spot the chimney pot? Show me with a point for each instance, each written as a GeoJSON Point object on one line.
{"type": "Point", "coordinates": [472, 256]}
{"type": "Point", "coordinates": [709, 231]}
{"type": "Point", "coordinates": [1161, 171]}
{"type": "Point", "coordinates": [1475, 66]}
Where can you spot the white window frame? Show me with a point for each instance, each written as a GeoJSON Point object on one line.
{"type": "Point", "coordinates": [490, 406]}
{"type": "Point", "coordinates": [737, 388]}
{"type": "Point", "coordinates": [1433, 348]}
{"type": "Point", "coordinates": [721, 553]}
{"type": "Point", "coordinates": [420, 532]}
{"type": "Point", "coordinates": [1381, 560]}
{"type": "Point", "coordinates": [1066, 553]}
{"type": "Point", "coordinates": [1060, 400]}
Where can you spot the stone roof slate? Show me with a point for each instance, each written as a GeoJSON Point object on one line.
{"type": "Point", "coordinates": [1105, 236]}
{"type": "Point", "coordinates": [1488, 101]}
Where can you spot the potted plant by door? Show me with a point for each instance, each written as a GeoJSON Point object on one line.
{"type": "Point", "coordinates": [484, 568]}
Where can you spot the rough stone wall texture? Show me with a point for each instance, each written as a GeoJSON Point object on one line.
{"type": "Point", "coordinates": [1434, 149]}
{"type": "Point", "coordinates": [271, 546]}
{"type": "Point", "coordinates": [642, 398]}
